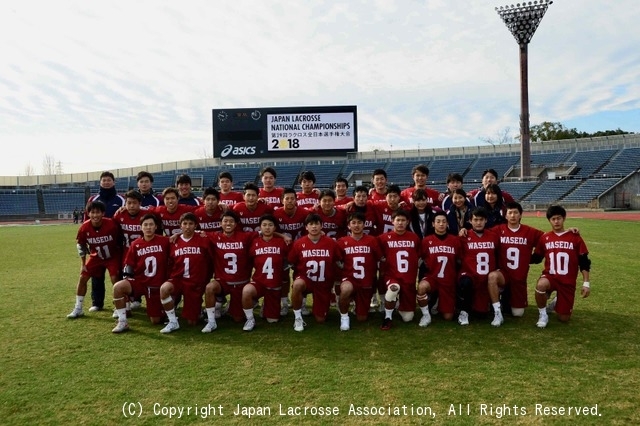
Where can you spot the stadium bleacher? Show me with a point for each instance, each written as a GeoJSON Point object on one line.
{"type": "Point", "coordinates": [63, 200]}
{"type": "Point", "coordinates": [18, 202]}
{"type": "Point", "coordinates": [623, 163]}
{"type": "Point", "coordinates": [589, 162]}
{"type": "Point", "coordinates": [499, 164]}
{"type": "Point", "coordinates": [551, 190]}
{"type": "Point", "coordinates": [589, 189]}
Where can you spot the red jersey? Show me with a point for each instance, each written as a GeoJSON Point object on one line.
{"type": "Point", "coordinates": [342, 201]}
{"type": "Point", "coordinates": [231, 258]}
{"type": "Point", "coordinates": [432, 196]}
{"type": "Point", "coordinates": [273, 198]}
{"type": "Point", "coordinates": [250, 218]}
{"type": "Point", "coordinates": [516, 247]}
{"type": "Point", "coordinates": [191, 259]}
{"type": "Point", "coordinates": [293, 226]}
{"type": "Point", "coordinates": [480, 253]}
{"type": "Point", "coordinates": [315, 261]}
{"type": "Point", "coordinates": [370, 218]}
{"type": "Point", "coordinates": [334, 225]}
{"type": "Point", "coordinates": [561, 255]}
{"type": "Point", "coordinates": [384, 221]}
{"type": "Point", "coordinates": [230, 198]}
{"type": "Point", "coordinates": [103, 243]}
{"type": "Point", "coordinates": [129, 226]}
{"type": "Point", "coordinates": [207, 222]}
{"type": "Point", "coordinates": [306, 200]}
{"type": "Point", "coordinates": [269, 259]}
{"type": "Point", "coordinates": [377, 198]}
{"type": "Point", "coordinates": [150, 260]}
{"type": "Point", "coordinates": [440, 255]}
{"type": "Point", "coordinates": [401, 253]}
{"type": "Point", "coordinates": [360, 258]}
{"type": "Point", "coordinates": [171, 221]}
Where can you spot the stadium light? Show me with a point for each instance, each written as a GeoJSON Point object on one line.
{"type": "Point", "coordinates": [522, 20]}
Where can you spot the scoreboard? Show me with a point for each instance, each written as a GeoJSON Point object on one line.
{"type": "Point", "coordinates": [284, 132]}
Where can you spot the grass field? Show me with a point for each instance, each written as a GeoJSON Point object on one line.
{"type": "Point", "coordinates": [59, 371]}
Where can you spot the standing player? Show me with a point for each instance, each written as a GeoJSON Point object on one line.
{"type": "Point", "coordinates": [360, 254]}
{"type": "Point", "coordinates": [144, 181]}
{"type": "Point", "coordinates": [210, 214]}
{"type": "Point", "coordinates": [183, 183]}
{"type": "Point", "coordinates": [334, 221]}
{"type": "Point", "coordinates": [308, 196]}
{"type": "Point", "coordinates": [565, 253]}
{"type": "Point", "coordinates": [362, 205]}
{"type": "Point", "coordinates": [171, 212]}
{"type": "Point", "coordinates": [269, 257]}
{"type": "Point", "coordinates": [476, 196]}
{"type": "Point", "coordinates": [250, 210]}
{"type": "Point", "coordinates": [509, 283]}
{"type": "Point", "coordinates": [312, 257]}
{"type": "Point", "coordinates": [341, 185]}
{"type": "Point", "coordinates": [232, 269]}
{"type": "Point", "coordinates": [454, 181]}
{"type": "Point", "coordinates": [400, 250]}
{"type": "Point", "coordinates": [420, 174]}
{"type": "Point", "coordinates": [378, 194]}
{"type": "Point", "coordinates": [145, 269]}
{"type": "Point", "coordinates": [479, 256]}
{"type": "Point", "coordinates": [129, 218]}
{"type": "Point", "coordinates": [441, 255]}
{"type": "Point", "coordinates": [100, 239]}
{"type": "Point", "coordinates": [191, 260]}
{"type": "Point", "coordinates": [227, 195]}
{"type": "Point", "coordinates": [269, 193]}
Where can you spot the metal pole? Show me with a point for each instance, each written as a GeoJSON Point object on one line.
{"type": "Point", "coordinates": [525, 135]}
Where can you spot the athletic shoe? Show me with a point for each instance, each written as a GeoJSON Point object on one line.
{"type": "Point", "coordinates": [305, 311]}
{"type": "Point", "coordinates": [386, 324]}
{"type": "Point", "coordinates": [463, 318]}
{"type": "Point", "coordinates": [120, 327]}
{"type": "Point", "coordinates": [76, 313]}
{"type": "Point", "coordinates": [171, 326]}
{"type": "Point", "coordinates": [113, 315]}
{"type": "Point", "coordinates": [136, 305]}
{"type": "Point", "coordinates": [498, 319]}
{"type": "Point", "coordinates": [210, 326]}
{"type": "Point", "coordinates": [222, 311]}
{"type": "Point", "coordinates": [551, 307]}
{"type": "Point", "coordinates": [298, 324]}
{"type": "Point", "coordinates": [425, 320]}
{"type": "Point", "coordinates": [249, 324]}
{"type": "Point", "coordinates": [95, 309]}
{"type": "Point", "coordinates": [434, 308]}
{"type": "Point", "coordinates": [284, 309]}
{"type": "Point", "coordinates": [344, 323]}
{"type": "Point", "coordinates": [374, 302]}
{"type": "Point", "coordinates": [543, 320]}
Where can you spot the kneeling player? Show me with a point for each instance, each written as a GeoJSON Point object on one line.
{"type": "Point", "coordinates": [565, 253]}
{"type": "Point", "coordinates": [400, 250]}
{"type": "Point", "coordinates": [269, 254]}
{"type": "Point", "coordinates": [191, 259]}
{"type": "Point", "coordinates": [441, 256]}
{"type": "Point", "coordinates": [145, 270]}
{"type": "Point", "coordinates": [359, 253]}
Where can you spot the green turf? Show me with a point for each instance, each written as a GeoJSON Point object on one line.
{"type": "Point", "coordinates": [59, 371]}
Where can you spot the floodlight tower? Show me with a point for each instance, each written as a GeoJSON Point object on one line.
{"type": "Point", "coordinates": [523, 20]}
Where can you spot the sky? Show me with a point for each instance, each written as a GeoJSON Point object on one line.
{"type": "Point", "coordinates": [112, 84]}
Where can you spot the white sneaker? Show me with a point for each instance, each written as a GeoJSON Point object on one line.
{"type": "Point", "coordinates": [463, 318]}
{"type": "Point", "coordinates": [249, 324]}
{"type": "Point", "coordinates": [114, 314]}
{"type": "Point", "coordinates": [222, 311]}
{"type": "Point", "coordinates": [94, 309]}
{"type": "Point", "coordinates": [76, 313]}
{"type": "Point", "coordinates": [211, 325]}
{"type": "Point", "coordinates": [425, 320]}
{"type": "Point", "coordinates": [543, 320]}
{"type": "Point", "coordinates": [344, 323]}
{"type": "Point", "coordinates": [551, 307]}
{"type": "Point", "coordinates": [498, 319]}
{"type": "Point", "coordinates": [434, 308]}
{"type": "Point", "coordinates": [284, 309]}
{"type": "Point", "coordinates": [298, 324]}
{"type": "Point", "coordinates": [305, 311]}
{"type": "Point", "coordinates": [136, 305]}
{"type": "Point", "coordinates": [120, 327]}
{"type": "Point", "coordinates": [171, 326]}
{"type": "Point", "coordinates": [374, 302]}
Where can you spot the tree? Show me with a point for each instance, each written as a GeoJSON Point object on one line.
{"type": "Point", "coordinates": [502, 137]}
{"type": "Point", "coordinates": [548, 131]}
{"type": "Point", "coordinates": [49, 165]}
{"type": "Point", "coordinates": [29, 170]}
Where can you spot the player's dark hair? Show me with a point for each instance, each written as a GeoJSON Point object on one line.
{"type": "Point", "coordinates": [156, 220]}
{"type": "Point", "coordinates": [144, 174]}
{"type": "Point", "coordinates": [327, 193]}
{"type": "Point", "coordinates": [459, 191]}
{"type": "Point", "coordinates": [420, 168]}
{"type": "Point", "coordinates": [492, 171]}
{"type": "Point", "coordinates": [98, 205]}
{"type": "Point", "coordinates": [340, 179]}
{"type": "Point", "coordinates": [494, 188]}
{"type": "Point", "coordinates": [439, 213]}
{"type": "Point", "coordinates": [394, 189]}
{"type": "Point", "coordinates": [402, 213]}
{"type": "Point", "coordinates": [480, 212]}
{"type": "Point", "coordinates": [232, 214]}
{"type": "Point", "coordinates": [360, 188]}
{"type": "Point", "coordinates": [419, 194]}
{"type": "Point", "coordinates": [134, 194]}
{"type": "Point", "coordinates": [271, 218]}
{"type": "Point", "coordinates": [183, 179]}
{"type": "Point", "coordinates": [189, 216]}
{"type": "Point", "coordinates": [288, 191]}
{"type": "Point", "coordinates": [356, 216]}
{"type": "Point", "coordinates": [211, 191]}
{"type": "Point", "coordinates": [269, 170]}
{"type": "Point", "coordinates": [312, 218]}
{"type": "Point", "coordinates": [514, 205]}
{"type": "Point", "coordinates": [455, 177]}
{"type": "Point", "coordinates": [379, 172]}
{"type": "Point", "coordinates": [225, 174]}
{"type": "Point", "coordinates": [556, 210]}
{"type": "Point", "coordinates": [171, 190]}
{"type": "Point", "coordinates": [307, 175]}
{"type": "Point", "coordinates": [250, 186]}
{"type": "Point", "coordinates": [107, 174]}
